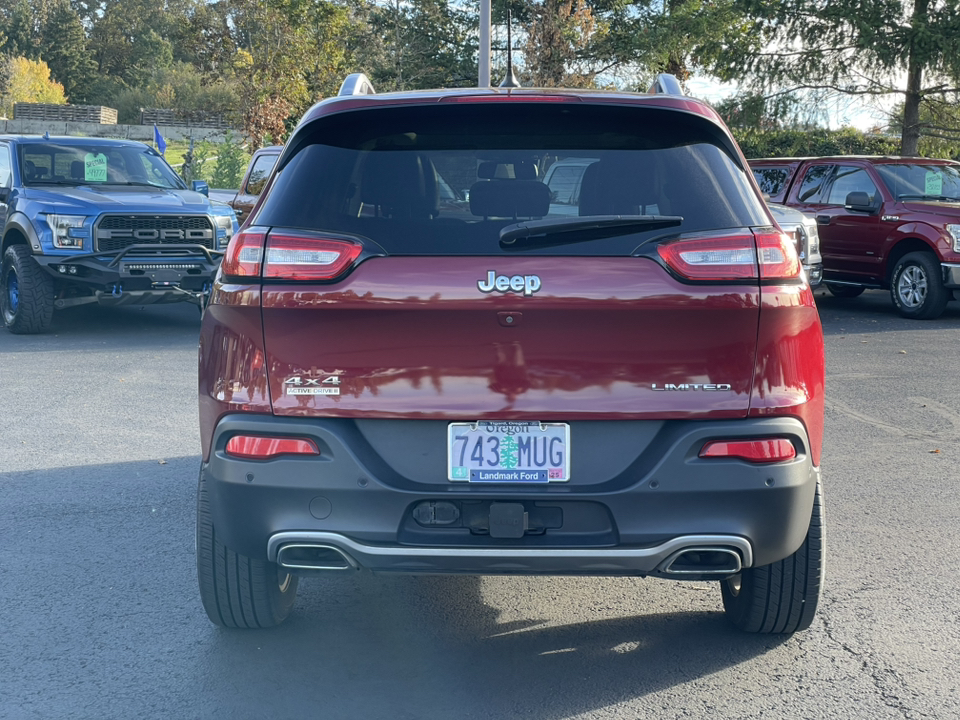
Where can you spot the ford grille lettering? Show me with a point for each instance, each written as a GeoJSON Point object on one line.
{"type": "Point", "coordinates": [204, 234]}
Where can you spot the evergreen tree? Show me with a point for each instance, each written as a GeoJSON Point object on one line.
{"type": "Point", "coordinates": [64, 48]}
{"type": "Point", "coordinates": [909, 48]}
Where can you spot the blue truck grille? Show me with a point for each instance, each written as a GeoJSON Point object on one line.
{"type": "Point", "coordinates": [116, 232]}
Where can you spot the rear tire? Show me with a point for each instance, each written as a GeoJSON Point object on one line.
{"type": "Point", "coordinates": [26, 292]}
{"type": "Point", "coordinates": [238, 591]}
{"type": "Point", "coordinates": [781, 597]}
{"type": "Point", "coordinates": [844, 291]}
{"type": "Point", "coordinates": [917, 287]}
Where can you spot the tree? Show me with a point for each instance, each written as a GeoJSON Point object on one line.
{"type": "Point", "coordinates": [22, 29]}
{"type": "Point", "coordinates": [427, 44]}
{"type": "Point", "coordinates": [647, 37]}
{"type": "Point", "coordinates": [852, 47]}
{"type": "Point", "coordinates": [557, 33]}
{"type": "Point", "coordinates": [64, 48]}
{"type": "Point", "coordinates": [270, 64]}
{"type": "Point", "coordinates": [28, 81]}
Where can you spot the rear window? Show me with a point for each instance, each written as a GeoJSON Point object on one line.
{"type": "Point", "coordinates": [445, 179]}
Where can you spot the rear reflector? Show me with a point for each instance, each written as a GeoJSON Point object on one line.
{"type": "Point", "coordinates": [730, 257]}
{"type": "Point", "coordinates": [293, 257]}
{"type": "Point", "coordinates": [243, 255]}
{"type": "Point", "coordinates": [260, 448]}
{"type": "Point", "coordinates": [755, 451]}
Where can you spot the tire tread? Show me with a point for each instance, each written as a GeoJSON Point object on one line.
{"type": "Point", "coordinates": [782, 597]}
{"type": "Point", "coordinates": [35, 310]}
{"type": "Point", "coordinates": [236, 591]}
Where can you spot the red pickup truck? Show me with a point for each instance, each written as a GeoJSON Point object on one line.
{"type": "Point", "coordinates": [259, 169]}
{"type": "Point", "coordinates": [884, 222]}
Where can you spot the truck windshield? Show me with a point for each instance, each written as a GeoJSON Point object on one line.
{"type": "Point", "coordinates": [94, 164]}
{"type": "Point", "coordinates": [933, 182]}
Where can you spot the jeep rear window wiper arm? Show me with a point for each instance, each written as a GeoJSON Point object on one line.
{"type": "Point", "coordinates": [564, 231]}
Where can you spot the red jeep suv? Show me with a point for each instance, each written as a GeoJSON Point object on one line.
{"type": "Point", "coordinates": [410, 363]}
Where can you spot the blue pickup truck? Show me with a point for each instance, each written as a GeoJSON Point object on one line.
{"type": "Point", "coordinates": [91, 220]}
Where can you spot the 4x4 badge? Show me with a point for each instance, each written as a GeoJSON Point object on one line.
{"type": "Point", "coordinates": [298, 385]}
{"type": "Point", "coordinates": [523, 284]}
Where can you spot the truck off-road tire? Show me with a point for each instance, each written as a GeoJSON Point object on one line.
{"type": "Point", "coordinates": [26, 292]}
{"type": "Point", "coordinates": [238, 591]}
{"type": "Point", "coordinates": [844, 291]}
{"type": "Point", "coordinates": [917, 287]}
{"type": "Point", "coordinates": [781, 597]}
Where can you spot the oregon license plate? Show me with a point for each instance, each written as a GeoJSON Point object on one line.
{"type": "Point", "coordinates": [508, 452]}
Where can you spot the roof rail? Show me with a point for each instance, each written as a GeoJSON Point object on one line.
{"type": "Point", "coordinates": [666, 84]}
{"type": "Point", "coordinates": [357, 84]}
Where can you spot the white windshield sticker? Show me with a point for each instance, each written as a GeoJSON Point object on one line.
{"type": "Point", "coordinates": [95, 167]}
{"type": "Point", "coordinates": [933, 184]}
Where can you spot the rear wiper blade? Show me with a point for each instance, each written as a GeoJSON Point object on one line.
{"type": "Point", "coordinates": [564, 231]}
{"type": "Point", "coordinates": [939, 198]}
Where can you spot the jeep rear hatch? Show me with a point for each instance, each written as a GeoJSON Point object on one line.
{"type": "Point", "coordinates": [387, 292]}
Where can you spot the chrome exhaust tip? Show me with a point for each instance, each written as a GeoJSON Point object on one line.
{"type": "Point", "coordinates": [703, 561]}
{"type": "Point", "coordinates": [298, 556]}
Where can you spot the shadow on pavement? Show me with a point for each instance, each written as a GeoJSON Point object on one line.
{"type": "Point", "coordinates": [406, 647]}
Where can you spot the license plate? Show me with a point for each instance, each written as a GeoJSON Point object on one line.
{"type": "Point", "coordinates": [508, 452]}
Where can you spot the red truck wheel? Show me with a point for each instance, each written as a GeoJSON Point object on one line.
{"type": "Point", "coordinates": [917, 288]}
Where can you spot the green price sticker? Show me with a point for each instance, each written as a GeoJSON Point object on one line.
{"type": "Point", "coordinates": [933, 183]}
{"type": "Point", "coordinates": [95, 167]}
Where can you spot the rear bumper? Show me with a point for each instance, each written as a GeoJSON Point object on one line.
{"type": "Point", "coordinates": [634, 522]}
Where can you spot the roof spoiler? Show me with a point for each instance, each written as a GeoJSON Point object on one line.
{"type": "Point", "coordinates": [357, 84]}
{"type": "Point", "coordinates": [665, 84]}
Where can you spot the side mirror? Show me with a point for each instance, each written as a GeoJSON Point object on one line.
{"type": "Point", "coordinates": [201, 187]}
{"type": "Point", "coordinates": [4, 194]}
{"type": "Point", "coordinates": [859, 202]}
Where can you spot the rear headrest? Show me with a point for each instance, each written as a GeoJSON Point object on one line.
{"type": "Point", "coordinates": [401, 184]}
{"type": "Point", "coordinates": [76, 170]}
{"type": "Point", "coordinates": [509, 198]}
{"type": "Point", "coordinates": [616, 188]}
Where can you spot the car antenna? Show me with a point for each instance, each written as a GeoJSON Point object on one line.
{"type": "Point", "coordinates": [510, 81]}
{"type": "Point", "coordinates": [46, 135]}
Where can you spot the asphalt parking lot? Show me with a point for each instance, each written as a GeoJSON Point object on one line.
{"type": "Point", "coordinates": [101, 617]}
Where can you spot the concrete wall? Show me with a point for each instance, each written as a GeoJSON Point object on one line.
{"type": "Point", "coordinates": [143, 133]}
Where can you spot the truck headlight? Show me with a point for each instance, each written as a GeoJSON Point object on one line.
{"type": "Point", "coordinates": [954, 231]}
{"type": "Point", "coordinates": [225, 226]}
{"type": "Point", "coordinates": [67, 230]}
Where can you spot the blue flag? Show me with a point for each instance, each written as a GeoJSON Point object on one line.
{"type": "Point", "coordinates": [158, 139]}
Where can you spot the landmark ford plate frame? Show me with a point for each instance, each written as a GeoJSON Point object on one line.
{"type": "Point", "coordinates": [508, 452]}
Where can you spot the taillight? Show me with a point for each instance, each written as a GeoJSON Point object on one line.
{"type": "Point", "coordinates": [778, 256]}
{"type": "Point", "coordinates": [769, 450]}
{"type": "Point", "coordinates": [729, 257]}
{"type": "Point", "coordinates": [293, 257]}
{"type": "Point", "coordinates": [255, 447]}
{"type": "Point", "coordinates": [243, 255]}
{"type": "Point", "coordinates": [732, 257]}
